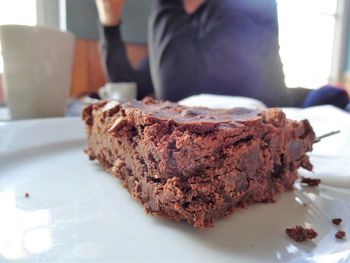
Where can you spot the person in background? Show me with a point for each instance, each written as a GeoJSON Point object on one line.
{"type": "Point", "coordinates": [227, 47]}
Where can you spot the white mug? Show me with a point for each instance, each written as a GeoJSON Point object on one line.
{"type": "Point", "coordinates": [118, 91]}
{"type": "Point", "coordinates": [37, 70]}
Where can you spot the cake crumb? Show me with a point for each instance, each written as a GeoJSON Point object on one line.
{"type": "Point", "coordinates": [310, 181]}
{"type": "Point", "coordinates": [340, 234]}
{"type": "Point", "coordinates": [300, 234]}
{"type": "Point", "coordinates": [336, 221]}
{"type": "Point", "coordinates": [26, 195]}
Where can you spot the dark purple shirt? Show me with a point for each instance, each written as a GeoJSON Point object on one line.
{"type": "Point", "coordinates": [227, 47]}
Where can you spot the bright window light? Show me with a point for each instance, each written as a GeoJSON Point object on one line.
{"type": "Point", "coordinates": [20, 12]}
{"type": "Point", "coordinates": [306, 31]}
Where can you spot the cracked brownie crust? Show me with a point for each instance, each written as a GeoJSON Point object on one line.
{"type": "Point", "coordinates": [197, 164]}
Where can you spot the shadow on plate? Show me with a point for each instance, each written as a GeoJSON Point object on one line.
{"type": "Point", "coordinates": [259, 231]}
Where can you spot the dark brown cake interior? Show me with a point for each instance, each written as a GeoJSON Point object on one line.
{"type": "Point", "coordinates": [197, 164]}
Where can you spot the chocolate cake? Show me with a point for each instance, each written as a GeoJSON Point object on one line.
{"type": "Point", "coordinates": [336, 221]}
{"type": "Point", "coordinates": [310, 182]}
{"type": "Point", "coordinates": [197, 164]}
{"type": "Point", "coordinates": [300, 234]}
{"type": "Point", "coordinates": [340, 234]}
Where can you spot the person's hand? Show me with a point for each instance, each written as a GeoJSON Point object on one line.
{"type": "Point", "coordinates": [192, 5]}
{"type": "Point", "coordinates": [109, 11]}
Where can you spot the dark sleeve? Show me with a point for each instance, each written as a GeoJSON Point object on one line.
{"type": "Point", "coordinates": [168, 18]}
{"type": "Point", "coordinates": [116, 64]}
{"type": "Point", "coordinates": [171, 49]}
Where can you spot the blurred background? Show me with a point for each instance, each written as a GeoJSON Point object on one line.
{"type": "Point", "coordinates": [314, 37]}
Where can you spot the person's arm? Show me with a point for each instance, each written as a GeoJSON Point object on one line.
{"type": "Point", "coordinates": [113, 52]}
{"type": "Point", "coordinates": [168, 17]}
{"type": "Point", "coordinates": [109, 11]}
{"type": "Point", "coordinates": [171, 50]}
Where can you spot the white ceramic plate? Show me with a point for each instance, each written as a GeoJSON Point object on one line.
{"type": "Point", "coordinates": [76, 212]}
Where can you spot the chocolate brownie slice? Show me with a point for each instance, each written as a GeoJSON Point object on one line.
{"type": "Point", "coordinates": [197, 164]}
